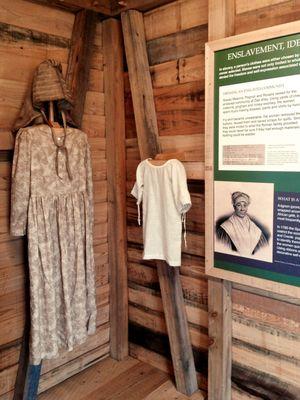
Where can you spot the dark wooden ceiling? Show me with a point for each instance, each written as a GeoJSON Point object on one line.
{"type": "Point", "coordinates": [106, 7]}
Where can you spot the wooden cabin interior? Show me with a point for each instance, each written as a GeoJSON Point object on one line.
{"type": "Point", "coordinates": [137, 68]}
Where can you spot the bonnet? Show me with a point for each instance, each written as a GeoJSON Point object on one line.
{"type": "Point", "coordinates": [48, 85]}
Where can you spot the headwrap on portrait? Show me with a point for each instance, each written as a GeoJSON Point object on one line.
{"type": "Point", "coordinates": [237, 195]}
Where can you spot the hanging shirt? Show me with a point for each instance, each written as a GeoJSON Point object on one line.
{"type": "Point", "coordinates": [164, 193]}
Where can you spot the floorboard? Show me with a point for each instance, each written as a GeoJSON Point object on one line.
{"type": "Point", "coordinates": [109, 379]}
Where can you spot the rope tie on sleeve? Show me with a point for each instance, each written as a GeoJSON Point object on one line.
{"type": "Point", "coordinates": [183, 220]}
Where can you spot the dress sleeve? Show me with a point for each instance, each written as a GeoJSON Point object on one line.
{"type": "Point", "coordinates": [138, 188]}
{"type": "Point", "coordinates": [89, 183]}
{"type": "Point", "coordinates": [180, 189]}
{"type": "Point", "coordinates": [20, 189]}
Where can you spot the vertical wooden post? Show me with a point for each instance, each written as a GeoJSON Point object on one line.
{"type": "Point", "coordinates": [221, 15]}
{"type": "Point", "coordinates": [147, 133]}
{"type": "Point", "coordinates": [116, 177]}
{"type": "Point", "coordinates": [79, 60]}
{"type": "Point", "coordinates": [219, 328]}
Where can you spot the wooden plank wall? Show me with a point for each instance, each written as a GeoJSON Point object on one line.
{"type": "Point", "coordinates": [175, 36]}
{"type": "Point", "coordinates": [29, 34]}
{"type": "Point", "coordinates": [266, 328]}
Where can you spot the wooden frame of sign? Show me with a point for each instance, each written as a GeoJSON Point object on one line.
{"type": "Point", "coordinates": [266, 44]}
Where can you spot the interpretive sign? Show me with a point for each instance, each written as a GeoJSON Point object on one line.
{"type": "Point", "coordinates": [253, 158]}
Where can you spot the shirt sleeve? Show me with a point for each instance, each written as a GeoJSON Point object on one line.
{"type": "Point", "coordinates": [20, 189]}
{"type": "Point", "coordinates": [138, 188]}
{"type": "Point", "coordinates": [180, 189]}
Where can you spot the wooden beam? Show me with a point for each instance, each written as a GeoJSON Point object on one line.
{"type": "Point", "coordinates": [219, 328]}
{"type": "Point", "coordinates": [79, 60]}
{"type": "Point", "coordinates": [147, 133]}
{"type": "Point", "coordinates": [221, 16]}
{"type": "Point", "coordinates": [116, 175]}
{"type": "Point", "coordinates": [99, 6]}
{"type": "Point", "coordinates": [140, 83]}
{"type": "Point", "coordinates": [221, 19]}
{"type": "Point", "coordinates": [119, 6]}
{"type": "Point", "coordinates": [177, 326]}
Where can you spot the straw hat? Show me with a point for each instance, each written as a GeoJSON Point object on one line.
{"type": "Point", "coordinates": [49, 85]}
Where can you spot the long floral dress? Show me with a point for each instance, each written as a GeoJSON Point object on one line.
{"type": "Point", "coordinates": [52, 201]}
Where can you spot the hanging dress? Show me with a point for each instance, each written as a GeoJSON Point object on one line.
{"type": "Point", "coordinates": [163, 191]}
{"type": "Point", "coordinates": [52, 202]}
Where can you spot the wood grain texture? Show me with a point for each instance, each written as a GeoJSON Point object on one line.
{"type": "Point", "coordinates": [174, 17]}
{"type": "Point", "coordinates": [219, 323]}
{"type": "Point", "coordinates": [25, 14]}
{"type": "Point", "coordinates": [115, 135]}
{"type": "Point", "coordinates": [267, 14]}
{"type": "Point", "coordinates": [140, 83]}
{"type": "Point", "coordinates": [178, 45]}
{"type": "Point", "coordinates": [77, 76]}
{"type": "Point", "coordinates": [221, 19]}
{"type": "Point", "coordinates": [182, 356]}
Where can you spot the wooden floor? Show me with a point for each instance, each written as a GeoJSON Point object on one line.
{"type": "Point", "coordinates": [112, 380]}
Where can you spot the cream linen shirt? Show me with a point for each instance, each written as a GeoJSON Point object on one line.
{"type": "Point", "coordinates": [164, 193]}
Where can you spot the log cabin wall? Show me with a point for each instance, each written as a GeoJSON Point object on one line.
{"type": "Point", "coordinates": [29, 34]}
{"type": "Point", "coordinates": [175, 36]}
{"type": "Point", "coordinates": [266, 327]}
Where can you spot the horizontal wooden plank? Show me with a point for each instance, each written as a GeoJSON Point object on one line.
{"type": "Point", "coordinates": [100, 337]}
{"type": "Point", "coordinates": [194, 289]}
{"type": "Point", "coordinates": [93, 125]}
{"type": "Point", "coordinates": [278, 367]}
{"type": "Point", "coordinates": [239, 394]}
{"type": "Point", "coordinates": [156, 323]}
{"type": "Point", "coordinates": [99, 174]}
{"type": "Point", "coordinates": [182, 70]}
{"type": "Point", "coordinates": [242, 6]}
{"type": "Point", "coordinates": [186, 96]}
{"type": "Point", "coordinates": [160, 361]}
{"type": "Point", "coordinates": [174, 17]}
{"type": "Point", "coordinates": [9, 354]}
{"type": "Point", "coordinates": [151, 299]}
{"type": "Point", "coordinates": [94, 103]}
{"type": "Point", "coordinates": [62, 373]}
{"type": "Point", "coordinates": [12, 252]}
{"type": "Point", "coordinates": [6, 139]}
{"type": "Point", "coordinates": [97, 60]}
{"type": "Point", "coordinates": [38, 17]}
{"type": "Point", "coordinates": [170, 144]}
{"type": "Point", "coordinates": [182, 44]}
{"type": "Point", "coordinates": [180, 122]}
{"type": "Point", "coordinates": [267, 339]}
{"type": "Point", "coordinates": [266, 17]}
{"type": "Point", "coordinates": [95, 80]}
{"type": "Point", "coordinates": [7, 379]}
{"type": "Point", "coordinates": [102, 295]}
{"type": "Point", "coordinates": [102, 315]}
{"type": "Point", "coordinates": [101, 254]}
{"type": "Point", "coordinates": [268, 311]}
